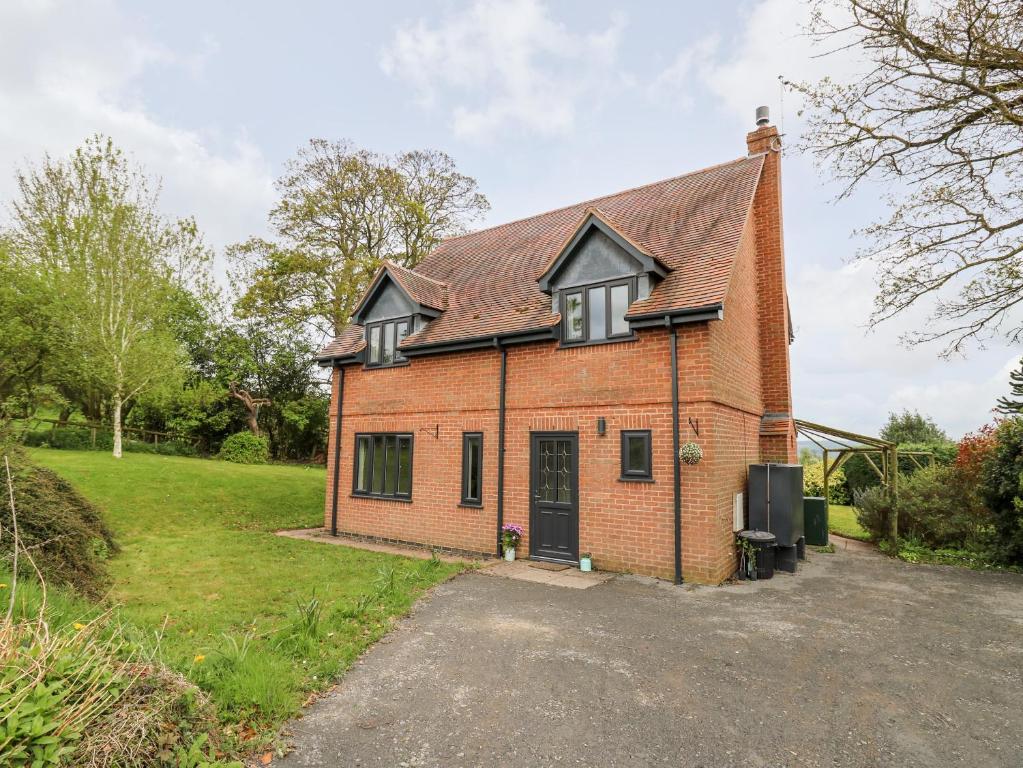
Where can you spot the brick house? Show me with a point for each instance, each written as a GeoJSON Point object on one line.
{"type": "Point", "coordinates": [545, 373]}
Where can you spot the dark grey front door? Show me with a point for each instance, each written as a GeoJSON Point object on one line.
{"type": "Point", "coordinates": [554, 485]}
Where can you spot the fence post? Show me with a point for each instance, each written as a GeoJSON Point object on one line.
{"type": "Point", "coordinates": [92, 430]}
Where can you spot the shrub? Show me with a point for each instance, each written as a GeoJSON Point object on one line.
{"type": "Point", "coordinates": [67, 536]}
{"type": "Point", "coordinates": [1001, 490]}
{"type": "Point", "coordinates": [813, 482]}
{"type": "Point", "coordinates": [245, 448]}
{"type": "Point", "coordinates": [937, 507]}
{"type": "Point", "coordinates": [936, 510]}
{"type": "Point", "coordinates": [873, 509]}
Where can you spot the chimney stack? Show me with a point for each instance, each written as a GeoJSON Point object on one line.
{"type": "Point", "coordinates": [776, 444]}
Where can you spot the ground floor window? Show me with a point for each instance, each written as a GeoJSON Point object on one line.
{"type": "Point", "coordinates": [383, 465]}
{"type": "Point", "coordinates": [636, 455]}
{"type": "Point", "coordinates": [472, 468]}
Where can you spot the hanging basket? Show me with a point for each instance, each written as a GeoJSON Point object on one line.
{"type": "Point", "coordinates": [690, 453]}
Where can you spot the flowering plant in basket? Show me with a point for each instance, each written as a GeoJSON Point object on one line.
{"type": "Point", "coordinates": [511, 535]}
{"type": "Point", "coordinates": [690, 453]}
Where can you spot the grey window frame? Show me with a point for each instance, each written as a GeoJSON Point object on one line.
{"type": "Point", "coordinates": [627, 473]}
{"type": "Point", "coordinates": [399, 358]}
{"type": "Point", "coordinates": [584, 293]}
{"type": "Point", "coordinates": [468, 501]}
{"type": "Point", "coordinates": [371, 438]}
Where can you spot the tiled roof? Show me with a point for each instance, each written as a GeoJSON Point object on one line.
{"type": "Point", "coordinates": [692, 224]}
{"type": "Point", "coordinates": [428, 292]}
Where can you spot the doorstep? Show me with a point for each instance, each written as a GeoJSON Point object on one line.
{"type": "Point", "coordinates": [523, 570]}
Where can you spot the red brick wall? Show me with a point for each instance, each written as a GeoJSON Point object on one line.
{"type": "Point", "coordinates": [773, 297]}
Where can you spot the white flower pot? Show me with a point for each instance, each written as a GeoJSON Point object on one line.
{"type": "Point", "coordinates": [585, 564]}
{"type": "Point", "coordinates": [509, 554]}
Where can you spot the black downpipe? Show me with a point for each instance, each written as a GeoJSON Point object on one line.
{"type": "Point", "coordinates": [337, 447]}
{"type": "Point", "coordinates": [675, 444]}
{"type": "Point", "coordinates": [500, 444]}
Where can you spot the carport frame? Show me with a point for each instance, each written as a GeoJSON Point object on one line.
{"type": "Point", "coordinates": [852, 444]}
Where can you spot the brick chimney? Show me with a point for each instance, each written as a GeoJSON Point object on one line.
{"type": "Point", "coordinates": [777, 433]}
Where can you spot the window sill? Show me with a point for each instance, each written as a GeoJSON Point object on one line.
{"type": "Point", "coordinates": [615, 340]}
{"type": "Point", "coordinates": [470, 505]}
{"type": "Point", "coordinates": [624, 479]}
{"type": "Point", "coordinates": [378, 366]}
{"type": "Point", "coordinates": [373, 497]}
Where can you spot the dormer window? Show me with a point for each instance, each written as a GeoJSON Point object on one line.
{"type": "Point", "coordinates": [596, 313]}
{"type": "Point", "coordinates": [383, 340]}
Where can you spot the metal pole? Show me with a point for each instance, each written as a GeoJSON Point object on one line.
{"type": "Point", "coordinates": [500, 444]}
{"type": "Point", "coordinates": [893, 490]}
{"type": "Point", "coordinates": [340, 373]}
{"type": "Point", "coordinates": [676, 461]}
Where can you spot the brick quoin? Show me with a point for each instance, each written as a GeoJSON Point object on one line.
{"type": "Point", "coordinates": [732, 372]}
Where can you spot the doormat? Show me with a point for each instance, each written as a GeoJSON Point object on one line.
{"type": "Point", "coordinates": [549, 566]}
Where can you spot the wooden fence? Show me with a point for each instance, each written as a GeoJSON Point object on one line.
{"type": "Point", "coordinates": [94, 428]}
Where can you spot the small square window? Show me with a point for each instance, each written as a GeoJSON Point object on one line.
{"type": "Point", "coordinates": [636, 455]}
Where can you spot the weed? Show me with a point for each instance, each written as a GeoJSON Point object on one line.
{"type": "Point", "coordinates": [309, 615]}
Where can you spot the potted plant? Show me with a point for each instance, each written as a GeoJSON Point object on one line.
{"type": "Point", "coordinates": [585, 562]}
{"type": "Point", "coordinates": [747, 559]}
{"type": "Point", "coordinates": [511, 535]}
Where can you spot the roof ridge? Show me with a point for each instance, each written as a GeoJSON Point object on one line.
{"type": "Point", "coordinates": [593, 200]}
{"type": "Point", "coordinates": [412, 271]}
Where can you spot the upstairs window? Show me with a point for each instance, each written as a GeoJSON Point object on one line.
{"type": "Point", "coordinates": [383, 340]}
{"type": "Point", "coordinates": [596, 313]}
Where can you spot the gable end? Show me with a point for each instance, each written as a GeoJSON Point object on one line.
{"type": "Point", "coordinates": [609, 254]}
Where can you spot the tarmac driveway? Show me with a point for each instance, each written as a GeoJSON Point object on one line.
{"type": "Point", "coordinates": [856, 661]}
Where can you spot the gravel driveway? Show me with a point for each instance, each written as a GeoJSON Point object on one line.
{"type": "Point", "coordinates": [856, 661]}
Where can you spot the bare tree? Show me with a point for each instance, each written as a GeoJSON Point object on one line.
{"type": "Point", "coordinates": [937, 120]}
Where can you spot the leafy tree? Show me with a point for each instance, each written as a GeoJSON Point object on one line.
{"type": "Point", "coordinates": [24, 329]}
{"type": "Point", "coordinates": [1001, 488]}
{"type": "Point", "coordinates": [936, 116]}
{"type": "Point", "coordinates": [342, 211]}
{"type": "Point", "coordinates": [89, 227]}
{"type": "Point", "coordinates": [1013, 404]}
{"type": "Point", "coordinates": [912, 427]}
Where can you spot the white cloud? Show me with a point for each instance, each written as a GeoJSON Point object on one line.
{"type": "Point", "coordinates": [69, 70]}
{"type": "Point", "coordinates": [505, 64]}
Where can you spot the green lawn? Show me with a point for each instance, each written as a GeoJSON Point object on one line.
{"type": "Point", "coordinates": [842, 521]}
{"type": "Point", "coordinates": [199, 557]}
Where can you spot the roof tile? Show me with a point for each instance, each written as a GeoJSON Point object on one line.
{"type": "Point", "coordinates": [692, 224]}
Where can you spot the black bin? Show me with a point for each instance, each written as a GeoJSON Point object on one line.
{"type": "Point", "coordinates": [764, 543]}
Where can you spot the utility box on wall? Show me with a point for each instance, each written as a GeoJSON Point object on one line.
{"type": "Point", "coordinates": [776, 501]}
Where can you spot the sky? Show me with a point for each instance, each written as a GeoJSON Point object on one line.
{"type": "Point", "coordinates": [545, 103]}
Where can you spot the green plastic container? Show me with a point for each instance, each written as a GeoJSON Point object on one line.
{"type": "Point", "coordinates": [815, 521]}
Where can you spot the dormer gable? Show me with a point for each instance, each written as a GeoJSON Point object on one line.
{"type": "Point", "coordinates": [596, 252]}
{"type": "Point", "coordinates": [399, 292]}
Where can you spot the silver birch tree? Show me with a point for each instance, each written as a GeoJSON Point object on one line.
{"type": "Point", "coordinates": [90, 227]}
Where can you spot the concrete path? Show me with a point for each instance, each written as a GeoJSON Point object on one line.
{"type": "Point", "coordinates": [856, 661]}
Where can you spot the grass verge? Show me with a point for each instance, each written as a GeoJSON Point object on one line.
{"type": "Point", "coordinates": [842, 521]}
{"type": "Point", "coordinates": [256, 620]}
